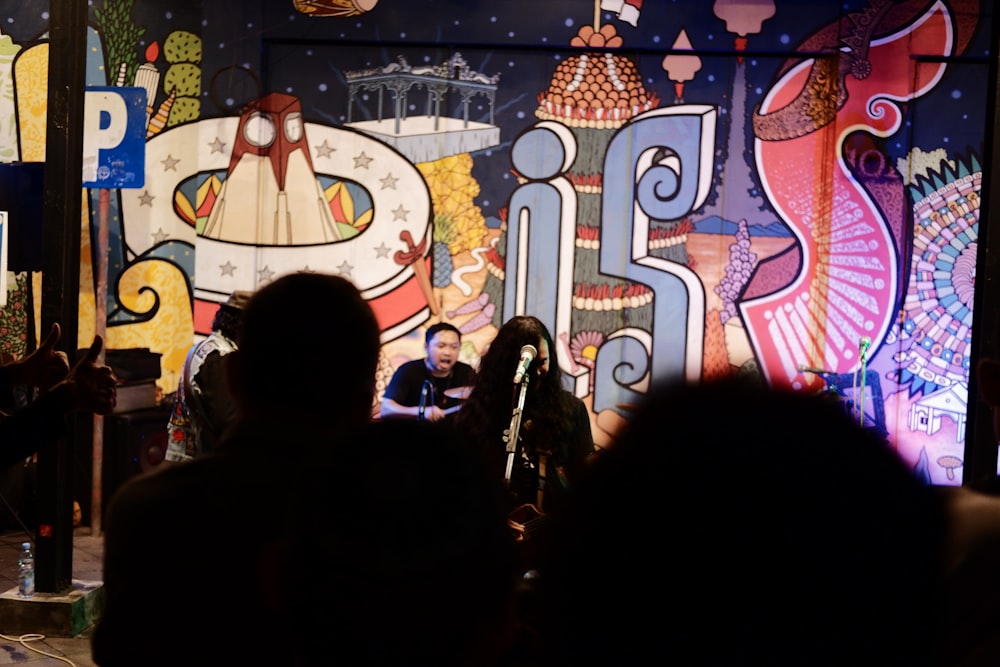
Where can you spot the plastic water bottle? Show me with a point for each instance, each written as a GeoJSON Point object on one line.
{"type": "Point", "coordinates": [26, 571]}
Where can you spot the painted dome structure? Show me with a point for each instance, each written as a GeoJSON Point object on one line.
{"type": "Point", "coordinates": [594, 94]}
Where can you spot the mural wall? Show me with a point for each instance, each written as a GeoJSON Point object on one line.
{"type": "Point", "coordinates": [786, 190]}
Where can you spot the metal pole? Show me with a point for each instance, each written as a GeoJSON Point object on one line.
{"type": "Point", "coordinates": [100, 328]}
{"type": "Point", "coordinates": [61, 273]}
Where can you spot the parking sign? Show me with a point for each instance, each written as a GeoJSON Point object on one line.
{"type": "Point", "coordinates": [114, 137]}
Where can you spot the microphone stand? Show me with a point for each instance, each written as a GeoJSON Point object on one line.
{"type": "Point", "coordinates": [426, 391]}
{"type": "Point", "coordinates": [512, 435]}
{"type": "Point", "coordinates": [864, 378]}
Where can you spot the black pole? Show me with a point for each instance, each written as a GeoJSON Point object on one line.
{"type": "Point", "coordinates": [61, 272]}
{"type": "Point", "coordinates": [980, 440]}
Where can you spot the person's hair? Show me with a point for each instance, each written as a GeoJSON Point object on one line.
{"type": "Point", "coordinates": [407, 558]}
{"type": "Point", "coordinates": [230, 313]}
{"type": "Point", "coordinates": [487, 411]}
{"type": "Point", "coordinates": [767, 526]}
{"type": "Point", "coordinates": [227, 321]}
{"type": "Point", "coordinates": [309, 343]}
{"type": "Point", "coordinates": [440, 326]}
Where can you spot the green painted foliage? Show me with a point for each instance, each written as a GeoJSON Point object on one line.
{"type": "Point", "coordinates": [119, 35]}
{"type": "Point", "coordinates": [182, 46]}
{"type": "Point", "coordinates": [185, 109]}
{"type": "Point", "coordinates": [185, 78]}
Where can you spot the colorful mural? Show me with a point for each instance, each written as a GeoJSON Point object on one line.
{"type": "Point", "coordinates": [679, 190]}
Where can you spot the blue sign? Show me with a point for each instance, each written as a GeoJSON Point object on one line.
{"type": "Point", "coordinates": [114, 137]}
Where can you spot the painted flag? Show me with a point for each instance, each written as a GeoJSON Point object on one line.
{"type": "Point", "coordinates": [626, 10]}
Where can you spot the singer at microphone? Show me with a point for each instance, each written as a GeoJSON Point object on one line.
{"type": "Point", "coordinates": [528, 354]}
{"type": "Point", "coordinates": [537, 445]}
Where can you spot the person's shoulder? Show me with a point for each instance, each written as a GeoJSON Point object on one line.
{"type": "Point", "coordinates": [571, 399]}
{"type": "Point", "coordinates": [575, 406]}
{"type": "Point", "coordinates": [214, 342]}
{"type": "Point", "coordinates": [168, 482]}
{"type": "Point", "coordinates": [413, 367]}
{"type": "Point", "coordinates": [147, 500]}
{"type": "Point", "coordinates": [464, 370]}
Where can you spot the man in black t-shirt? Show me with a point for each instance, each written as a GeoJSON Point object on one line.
{"type": "Point", "coordinates": [419, 389]}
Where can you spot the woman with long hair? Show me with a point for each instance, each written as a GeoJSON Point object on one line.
{"type": "Point", "coordinates": [555, 436]}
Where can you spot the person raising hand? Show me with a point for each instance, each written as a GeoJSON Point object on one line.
{"type": "Point", "coordinates": [88, 386]}
{"type": "Point", "coordinates": [41, 369]}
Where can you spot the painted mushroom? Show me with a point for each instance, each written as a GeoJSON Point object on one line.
{"type": "Point", "coordinates": [949, 463]}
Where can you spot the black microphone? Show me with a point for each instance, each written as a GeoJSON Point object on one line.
{"type": "Point", "coordinates": [528, 353]}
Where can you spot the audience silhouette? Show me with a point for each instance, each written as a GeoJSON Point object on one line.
{"type": "Point", "coordinates": [730, 524]}
{"type": "Point", "coordinates": [736, 525]}
{"type": "Point", "coordinates": [970, 635]}
{"type": "Point", "coordinates": [400, 554]}
{"type": "Point", "coordinates": [185, 546]}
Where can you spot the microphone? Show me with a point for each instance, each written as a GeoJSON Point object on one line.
{"type": "Point", "coordinates": [864, 344]}
{"type": "Point", "coordinates": [528, 353]}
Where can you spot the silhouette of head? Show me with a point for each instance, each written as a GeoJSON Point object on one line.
{"type": "Point", "coordinates": [759, 527]}
{"type": "Point", "coordinates": [308, 346]}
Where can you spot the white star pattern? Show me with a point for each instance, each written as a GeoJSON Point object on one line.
{"type": "Point", "coordinates": [362, 161]}
{"type": "Point", "coordinates": [324, 149]}
{"type": "Point", "coordinates": [396, 189]}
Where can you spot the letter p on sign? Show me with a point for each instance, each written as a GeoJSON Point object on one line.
{"type": "Point", "coordinates": [114, 138]}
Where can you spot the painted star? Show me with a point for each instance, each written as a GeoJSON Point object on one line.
{"type": "Point", "coordinates": [170, 163]}
{"type": "Point", "coordinates": [324, 149]}
{"type": "Point", "coordinates": [146, 199]}
{"type": "Point", "coordinates": [345, 269]}
{"type": "Point", "coordinates": [228, 269]}
{"type": "Point", "coordinates": [400, 213]}
{"type": "Point", "coordinates": [217, 145]}
{"type": "Point", "coordinates": [159, 236]}
{"type": "Point", "coordinates": [362, 161]}
{"type": "Point", "coordinates": [389, 182]}
{"type": "Point", "coordinates": [381, 251]}
{"type": "Point", "coordinates": [265, 275]}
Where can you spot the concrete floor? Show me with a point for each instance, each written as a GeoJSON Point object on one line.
{"type": "Point", "coordinates": [17, 649]}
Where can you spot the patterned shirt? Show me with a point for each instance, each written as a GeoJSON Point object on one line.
{"type": "Point", "coordinates": [202, 405]}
